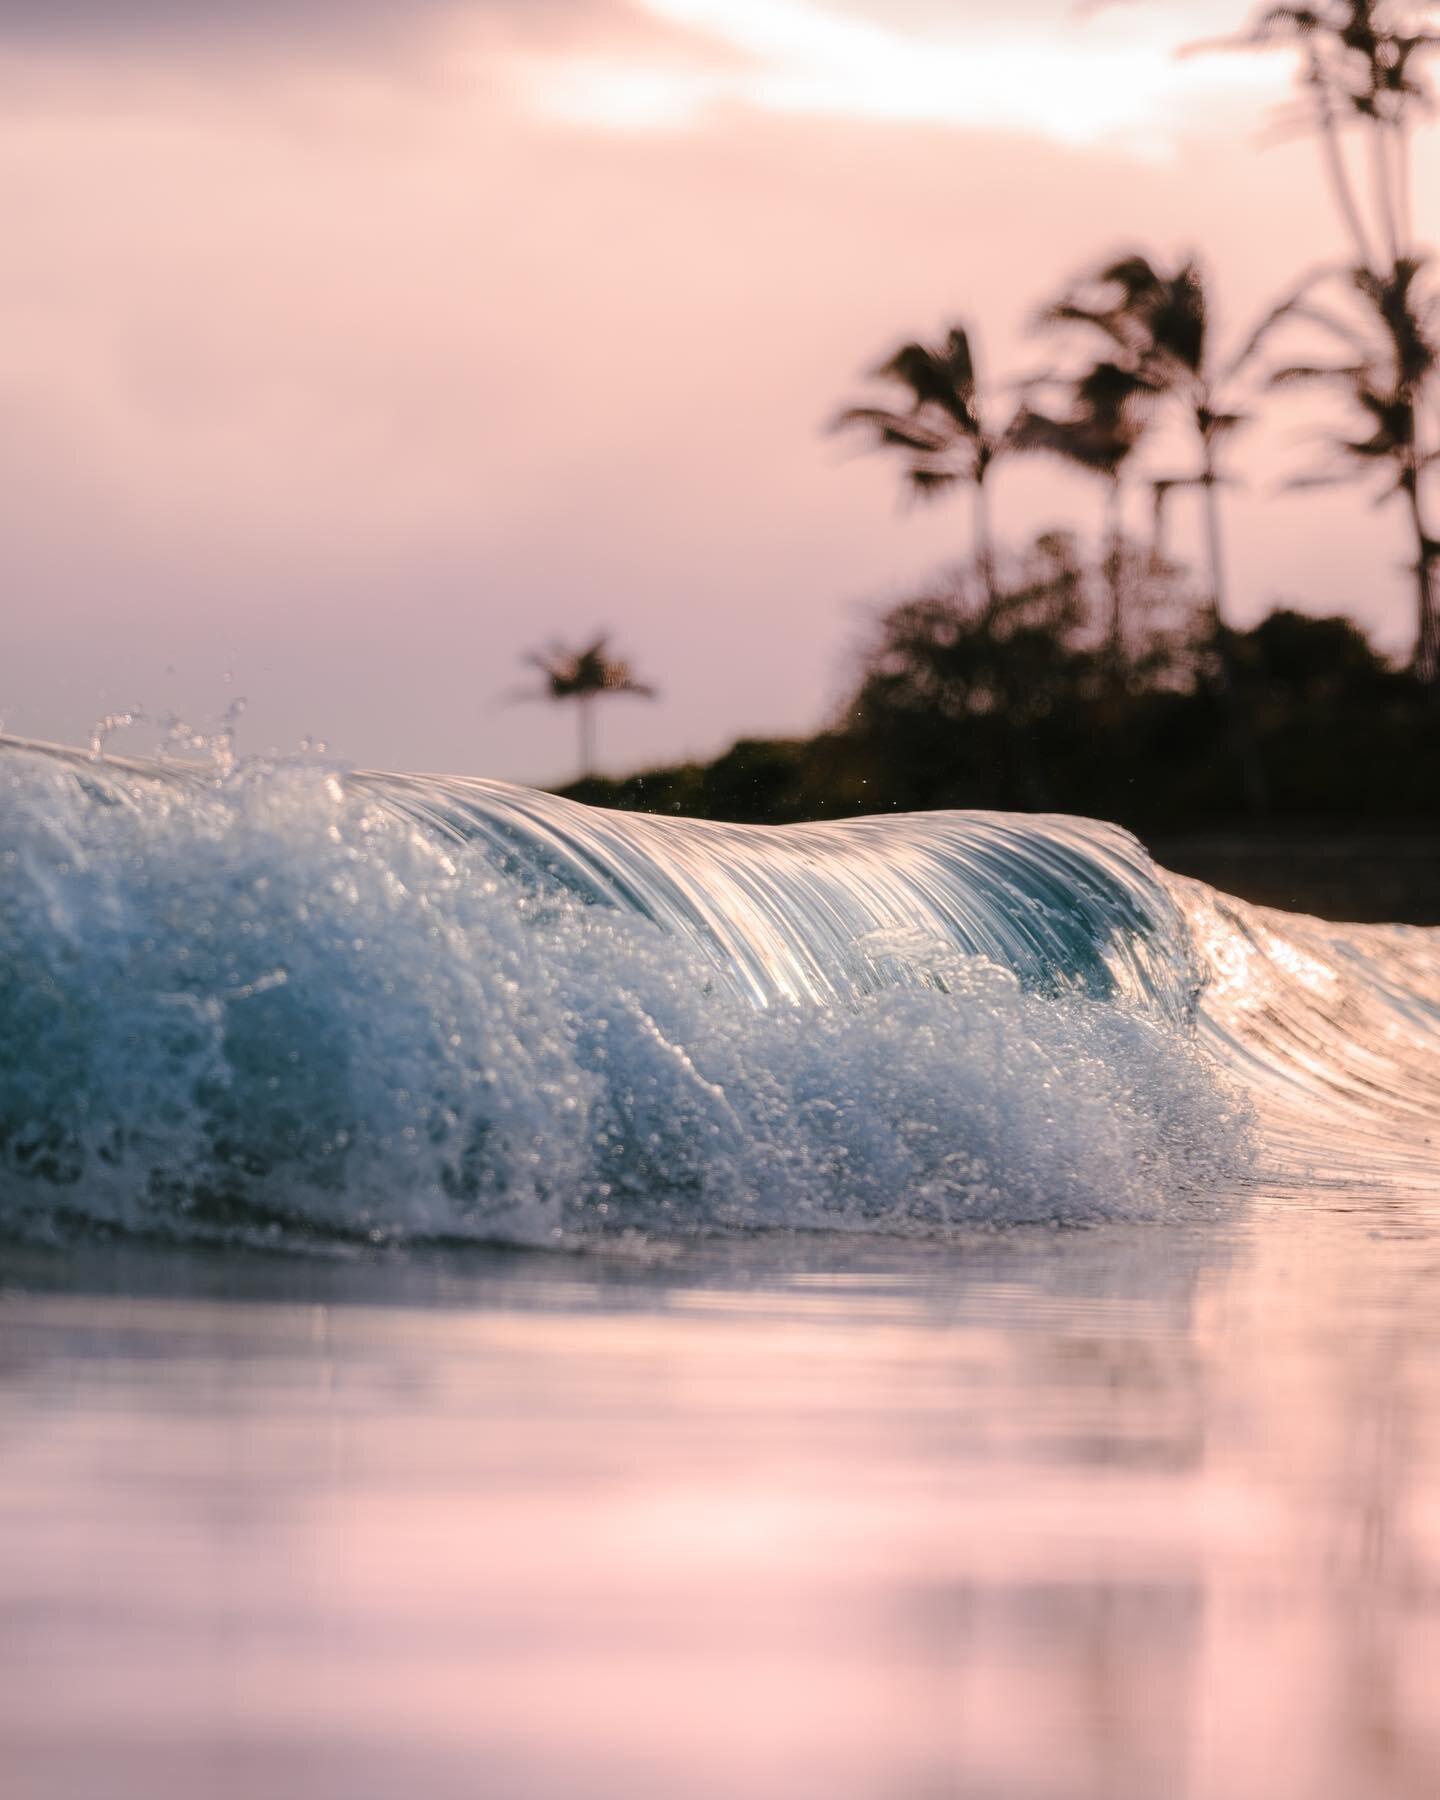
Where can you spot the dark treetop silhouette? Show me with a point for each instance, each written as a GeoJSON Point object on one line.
{"type": "Point", "coordinates": [1362, 67]}
{"type": "Point", "coordinates": [1103, 421]}
{"type": "Point", "coordinates": [1382, 332]}
{"type": "Point", "coordinates": [1361, 63]}
{"type": "Point", "coordinates": [1155, 327]}
{"type": "Point", "coordinates": [944, 433]}
{"type": "Point", "coordinates": [584, 676]}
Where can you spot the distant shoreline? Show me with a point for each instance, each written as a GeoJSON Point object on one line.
{"type": "Point", "coordinates": [1363, 876]}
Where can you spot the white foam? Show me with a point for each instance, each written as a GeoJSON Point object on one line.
{"type": "Point", "coordinates": [268, 1005]}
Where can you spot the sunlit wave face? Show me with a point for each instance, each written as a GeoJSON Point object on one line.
{"type": "Point", "coordinates": [1073, 79]}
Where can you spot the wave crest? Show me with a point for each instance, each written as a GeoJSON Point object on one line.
{"type": "Point", "coordinates": [286, 1003]}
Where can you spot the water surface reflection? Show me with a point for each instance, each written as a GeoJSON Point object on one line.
{"type": "Point", "coordinates": [1123, 1512]}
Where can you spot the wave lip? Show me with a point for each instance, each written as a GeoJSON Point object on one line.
{"type": "Point", "coordinates": [288, 1003]}
{"type": "Point", "coordinates": [1334, 1031]}
{"type": "Point", "coordinates": [788, 913]}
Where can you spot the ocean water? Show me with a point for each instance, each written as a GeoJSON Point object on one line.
{"type": "Point", "coordinates": [503, 1298]}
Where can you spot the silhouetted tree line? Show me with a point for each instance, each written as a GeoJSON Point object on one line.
{"type": "Point", "coordinates": [1120, 686]}
{"type": "Point", "coordinates": [1008, 688]}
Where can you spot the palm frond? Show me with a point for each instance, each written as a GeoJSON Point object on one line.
{"type": "Point", "coordinates": [1217, 425]}
{"type": "Point", "coordinates": [1319, 478]}
{"type": "Point", "coordinates": [1294, 374]}
{"type": "Point", "coordinates": [941, 433]}
{"type": "Point", "coordinates": [944, 378]}
{"type": "Point", "coordinates": [1272, 26]}
{"type": "Point", "coordinates": [1070, 312]}
{"type": "Point", "coordinates": [581, 674]}
{"type": "Point", "coordinates": [1299, 305]}
{"type": "Point", "coordinates": [1084, 439]}
{"type": "Point", "coordinates": [903, 431]}
{"type": "Point", "coordinates": [928, 483]}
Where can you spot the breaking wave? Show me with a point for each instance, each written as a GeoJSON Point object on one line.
{"type": "Point", "coordinates": [288, 1003]}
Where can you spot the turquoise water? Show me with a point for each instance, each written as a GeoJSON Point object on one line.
{"type": "Point", "coordinates": [291, 1004]}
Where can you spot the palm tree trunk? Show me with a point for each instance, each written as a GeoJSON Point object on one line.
{"type": "Point", "coordinates": [1160, 496]}
{"type": "Point", "coordinates": [1403, 185]}
{"type": "Point", "coordinates": [1215, 549]}
{"type": "Point", "coordinates": [1114, 573]}
{"type": "Point", "coordinates": [1333, 154]}
{"type": "Point", "coordinates": [985, 547]}
{"type": "Point", "coordinates": [1386, 205]}
{"type": "Point", "coordinates": [1427, 636]}
{"type": "Point", "coordinates": [1242, 733]}
{"type": "Point", "coordinates": [586, 708]}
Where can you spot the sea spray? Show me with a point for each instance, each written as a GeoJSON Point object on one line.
{"type": "Point", "coordinates": [281, 1003]}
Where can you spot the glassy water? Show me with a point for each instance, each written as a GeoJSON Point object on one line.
{"type": "Point", "coordinates": [1123, 1511]}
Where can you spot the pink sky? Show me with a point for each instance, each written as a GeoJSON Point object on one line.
{"type": "Point", "coordinates": [352, 348]}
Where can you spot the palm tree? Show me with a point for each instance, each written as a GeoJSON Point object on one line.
{"type": "Point", "coordinates": [583, 676]}
{"type": "Point", "coordinates": [1386, 41]}
{"type": "Point", "coordinates": [1105, 416]}
{"type": "Point", "coordinates": [1360, 61]}
{"type": "Point", "coordinates": [943, 431]}
{"type": "Point", "coordinates": [1363, 63]}
{"type": "Point", "coordinates": [1157, 326]}
{"type": "Point", "coordinates": [1384, 331]}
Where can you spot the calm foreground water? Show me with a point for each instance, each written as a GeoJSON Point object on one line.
{"type": "Point", "coordinates": [1137, 1510]}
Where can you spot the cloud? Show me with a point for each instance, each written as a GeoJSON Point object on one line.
{"type": "Point", "coordinates": [1042, 67]}
{"type": "Point", "coordinates": [42, 21]}
{"type": "Point", "coordinates": [1037, 67]}
{"type": "Point", "coordinates": [148, 27]}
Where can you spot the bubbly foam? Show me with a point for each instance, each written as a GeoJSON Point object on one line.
{"type": "Point", "coordinates": [287, 1003]}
